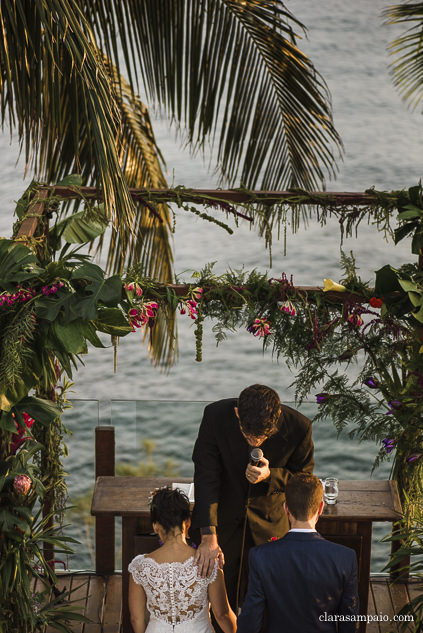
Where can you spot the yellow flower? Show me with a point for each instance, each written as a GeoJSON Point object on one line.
{"type": "Point", "coordinates": [421, 350]}
{"type": "Point", "coordinates": [332, 285]}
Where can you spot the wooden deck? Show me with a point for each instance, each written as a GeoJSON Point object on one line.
{"type": "Point", "coordinates": [100, 597]}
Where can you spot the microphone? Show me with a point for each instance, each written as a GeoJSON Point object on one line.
{"type": "Point", "coordinates": [256, 457]}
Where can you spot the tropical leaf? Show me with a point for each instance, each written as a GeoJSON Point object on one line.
{"type": "Point", "coordinates": [112, 321]}
{"type": "Point", "coordinates": [407, 69]}
{"type": "Point", "coordinates": [71, 336]}
{"type": "Point", "coordinates": [17, 264]}
{"type": "Point", "coordinates": [44, 411]}
{"type": "Point", "coordinates": [80, 228]}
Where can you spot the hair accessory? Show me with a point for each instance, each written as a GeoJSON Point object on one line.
{"type": "Point", "coordinates": [153, 493]}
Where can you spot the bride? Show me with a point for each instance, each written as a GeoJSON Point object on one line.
{"type": "Point", "coordinates": [166, 582]}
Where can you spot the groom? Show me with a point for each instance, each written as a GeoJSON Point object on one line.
{"type": "Point", "coordinates": [307, 584]}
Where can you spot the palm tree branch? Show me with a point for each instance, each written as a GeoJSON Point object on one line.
{"type": "Point", "coordinates": [217, 66]}
{"type": "Point", "coordinates": [35, 85]}
{"type": "Point", "coordinates": [407, 69]}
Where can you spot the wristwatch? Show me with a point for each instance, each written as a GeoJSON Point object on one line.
{"type": "Point", "coordinates": [210, 529]}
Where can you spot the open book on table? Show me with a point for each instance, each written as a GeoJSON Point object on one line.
{"type": "Point", "coordinates": [187, 488]}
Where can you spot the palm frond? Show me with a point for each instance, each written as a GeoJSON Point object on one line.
{"type": "Point", "coordinates": [149, 243]}
{"type": "Point", "coordinates": [54, 88]}
{"type": "Point", "coordinates": [231, 70]}
{"type": "Point", "coordinates": [407, 69]}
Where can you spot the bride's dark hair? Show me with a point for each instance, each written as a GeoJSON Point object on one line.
{"type": "Point", "coordinates": [170, 508]}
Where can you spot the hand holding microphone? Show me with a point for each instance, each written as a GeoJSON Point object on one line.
{"type": "Point", "coordinates": [258, 467]}
{"type": "Point", "coordinates": [256, 456]}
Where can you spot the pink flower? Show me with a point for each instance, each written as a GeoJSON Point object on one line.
{"type": "Point", "coordinates": [129, 287]}
{"type": "Point", "coordinates": [260, 327]}
{"type": "Point", "coordinates": [138, 290]}
{"type": "Point", "coordinates": [288, 307]}
{"type": "Point", "coordinates": [142, 315]}
{"type": "Point", "coordinates": [22, 484]}
{"type": "Point", "coordinates": [355, 319]}
{"type": "Point", "coordinates": [197, 293]}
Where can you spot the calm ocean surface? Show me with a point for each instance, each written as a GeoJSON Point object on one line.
{"type": "Point", "coordinates": [383, 148]}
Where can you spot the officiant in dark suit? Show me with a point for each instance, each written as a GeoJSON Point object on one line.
{"type": "Point", "coordinates": [237, 504]}
{"type": "Point", "coordinates": [304, 583]}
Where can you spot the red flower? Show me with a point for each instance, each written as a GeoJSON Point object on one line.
{"type": "Point", "coordinates": [18, 438]}
{"type": "Point", "coordinates": [375, 302]}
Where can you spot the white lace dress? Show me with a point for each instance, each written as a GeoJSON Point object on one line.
{"type": "Point", "coordinates": [176, 596]}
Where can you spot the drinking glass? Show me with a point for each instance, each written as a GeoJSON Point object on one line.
{"type": "Point", "coordinates": [330, 490]}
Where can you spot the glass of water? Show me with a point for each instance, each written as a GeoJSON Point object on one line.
{"type": "Point", "coordinates": [331, 490]}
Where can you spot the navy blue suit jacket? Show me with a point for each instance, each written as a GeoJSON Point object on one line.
{"type": "Point", "coordinates": [301, 581]}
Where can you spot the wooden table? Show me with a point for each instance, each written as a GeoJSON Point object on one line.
{"type": "Point", "coordinates": [349, 522]}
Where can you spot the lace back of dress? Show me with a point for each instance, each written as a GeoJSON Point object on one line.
{"type": "Point", "coordinates": [175, 593]}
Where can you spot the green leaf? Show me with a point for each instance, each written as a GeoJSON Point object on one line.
{"type": "Point", "coordinates": [88, 271]}
{"type": "Point", "coordinates": [48, 307]}
{"type": "Point", "coordinates": [17, 264]}
{"type": "Point", "coordinates": [25, 512]}
{"type": "Point", "coordinates": [98, 291]}
{"type": "Point", "coordinates": [417, 242]}
{"type": "Point", "coordinates": [73, 180]}
{"type": "Point", "coordinates": [387, 286]}
{"type": "Point", "coordinates": [112, 321]}
{"type": "Point", "coordinates": [415, 298]}
{"type": "Point", "coordinates": [403, 231]}
{"type": "Point", "coordinates": [78, 229]}
{"type": "Point", "coordinates": [14, 394]}
{"type": "Point", "coordinates": [6, 519]}
{"type": "Point", "coordinates": [7, 423]}
{"type": "Point", "coordinates": [418, 315]}
{"type": "Point", "coordinates": [71, 336]}
{"type": "Point", "coordinates": [111, 291]}
{"type": "Point", "coordinates": [411, 212]}
{"type": "Point", "coordinates": [91, 335]}
{"type": "Point", "coordinates": [42, 410]}
{"type": "Point", "coordinates": [415, 194]}
{"type": "Point", "coordinates": [386, 281]}
{"type": "Point", "coordinates": [407, 285]}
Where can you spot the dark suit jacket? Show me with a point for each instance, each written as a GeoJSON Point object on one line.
{"type": "Point", "coordinates": [303, 580]}
{"type": "Point", "coordinates": [221, 489]}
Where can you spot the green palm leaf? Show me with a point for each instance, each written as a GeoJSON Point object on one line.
{"type": "Point", "coordinates": [231, 69]}
{"type": "Point", "coordinates": [149, 245]}
{"type": "Point", "coordinates": [52, 82]}
{"type": "Point", "coordinates": [407, 68]}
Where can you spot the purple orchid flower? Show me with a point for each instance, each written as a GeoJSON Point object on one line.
{"type": "Point", "coordinates": [372, 383]}
{"type": "Point", "coordinates": [389, 444]}
{"type": "Point", "coordinates": [413, 457]}
{"type": "Point", "coordinates": [321, 397]}
{"type": "Point", "coordinates": [394, 405]}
